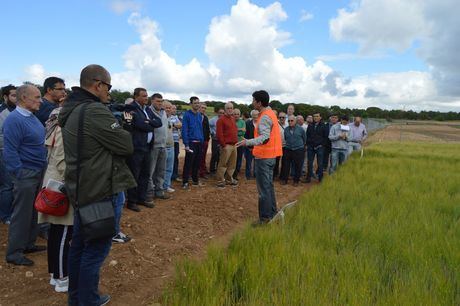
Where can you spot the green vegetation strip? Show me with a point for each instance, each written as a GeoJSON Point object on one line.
{"type": "Point", "coordinates": [383, 230]}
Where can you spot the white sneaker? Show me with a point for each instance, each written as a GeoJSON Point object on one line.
{"type": "Point", "coordinates": [170, 190]}
{"type": "Point", "coordinates": [62, 285]}
{"type": "Point", "coordinates": [52, 280]}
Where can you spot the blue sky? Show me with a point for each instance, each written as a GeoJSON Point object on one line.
{"type": "Point", "coordinates": [61, 37]}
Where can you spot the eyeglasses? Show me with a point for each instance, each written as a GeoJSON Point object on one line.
{"type": "Point", "coordinates": [282, 117]}
{"type": "Point", "coordinates": [291, 120]}
{"type": "Point", "coordinates": [106, 84]}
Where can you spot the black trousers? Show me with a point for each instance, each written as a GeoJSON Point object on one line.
{"type": "Point", "coordinates": [239, 161]}
{"type": "Point", "coordinates": [192, 162]}
{"type": "Point", "coordinates": [215, 154]}
{"type": "Point", "coordinates": [139, 164]}
{"type": "Point", "coordinates": [292, 156]}
{"type": "Point", "coordinates": [175, 173]}
{"type": "Point", "coordinates": [58, 249]}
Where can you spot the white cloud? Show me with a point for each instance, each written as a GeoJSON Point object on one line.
{"type": "Point", "coordinates": [397, 24]}
{"type": "Point", "coordinates": [244, 50]}
{"type": "Point", "coordinates": [35, 73]}
{"type": "Point", "coordinates": [122, 6]}
{"type": "Point", "coordinates": [305, 16]}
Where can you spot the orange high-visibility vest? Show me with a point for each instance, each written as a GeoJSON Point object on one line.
{"type": "Point", "coordinates": [273, 148]}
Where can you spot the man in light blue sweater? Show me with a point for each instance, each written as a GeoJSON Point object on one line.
{"type": "Point", "coordinates": [25, 159]}
{"type": "Point", "coordinates": [340, 134]}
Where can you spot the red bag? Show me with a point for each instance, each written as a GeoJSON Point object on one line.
{"type": "Point", "coordinates": [51, 203]}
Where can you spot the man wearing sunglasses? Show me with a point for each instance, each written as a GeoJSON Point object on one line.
{"type": "Point", "coordinates": [103, 173]}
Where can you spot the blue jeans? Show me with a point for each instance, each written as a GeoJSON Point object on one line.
{"type": "Point", "coordinates": [339, 156]}
{"type": "Point", "coordinates": [249, 159]}
{"type": "Point", "coordinates": [169, 167]}
{"type": "Point", "coordinates": [319, 152]}
{"type": "Point", "coordinates": [264, 181]}
{"type": "Point", "coordinates": [85, 261]}
{"type": "Point", "coordinates": [6, 192]}
{"type": "Point", "coordinates": [117, 209]}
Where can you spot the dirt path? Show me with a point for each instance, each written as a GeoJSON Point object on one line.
{"type": "Point", "coordinates": [179, 227]}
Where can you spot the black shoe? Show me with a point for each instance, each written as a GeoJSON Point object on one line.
{"type": "Point", "coordinates": [163, 196]}
{"type": "Point", "coordinates": [35, 248]}
{"type": "Point", "coordinates": [133, 207]}
{"type": "Point", "coordinates": [260, 222]}
{"type": "Point", "coordinates": [24, 261]}
{"type": "Point", "coordinates": [148, 204]}
{"type": "Point", "coordinates": [104, 299]}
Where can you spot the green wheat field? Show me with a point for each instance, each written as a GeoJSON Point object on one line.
{"type": "Point", "coordinates": [383, 230]}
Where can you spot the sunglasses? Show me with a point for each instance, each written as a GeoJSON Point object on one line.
{"type": "Point", "coordinates": [107, 84]}
{"type": "Point", "coordinates": [291, 120]}
{"type": "Point", "coordinates": [282, 117]}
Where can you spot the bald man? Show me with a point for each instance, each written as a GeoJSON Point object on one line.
{"type": "Point", "coordinates": [25, 159]}
{"type": "Point", "coordinates": [103, 173]}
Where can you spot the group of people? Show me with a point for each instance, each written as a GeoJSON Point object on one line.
{"type": "Point", "coordinates": [130, 156]}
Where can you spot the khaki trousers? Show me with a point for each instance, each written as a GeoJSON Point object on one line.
{"type": "Point", "coordinates": [227, 163]}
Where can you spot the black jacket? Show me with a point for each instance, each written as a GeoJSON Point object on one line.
{"type": "Point", "coordinates": [206, 130]}
{"type": "Point", "coordinates": [103, 171]}
{"type": "Point", "coordinates": [328, 141]}
{"type": "Point", "coordinates": [142, 125]}
{"type": "Point", "coordinates": [317, 135]}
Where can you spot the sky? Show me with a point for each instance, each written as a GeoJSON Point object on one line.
{"type": "Point", "coordinates": [393, 54]}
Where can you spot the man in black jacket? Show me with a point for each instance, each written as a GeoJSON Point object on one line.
{"type": "Point", "coordinates": [316, 141]}
{"type": "Point", "coordinates": [103, 173]}
{"type": "Point", "coordinates": [207, 136]}
{"type": "Point", "coordinates": [249, 134]}
{"type": "Point", "coordinates": [143, 125]}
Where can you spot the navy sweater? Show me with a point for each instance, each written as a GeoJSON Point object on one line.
{"type": "Point", "coordinates": [24, 142]}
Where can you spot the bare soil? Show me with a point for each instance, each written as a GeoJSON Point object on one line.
{"type": "Point", "coordinates": [428, 132]}
{"type": "Point", "coordinates": [178, 228]}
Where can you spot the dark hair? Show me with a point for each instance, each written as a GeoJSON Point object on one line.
{"type": "Point", "coordinates": [157, 95]}
{"type": "Point", "coordinates": [194, 98]}
{"type": "Point", "coordinates": [217, 108]}
{"type": "Point", "coordinates": [6, 90]}
{"type": "Point", "coordinates": [50, 83]}
{"type": "Point", "coordinates": [317, 113]}
{"type": "Point", "coordinates": [137, 91]}
{"type": "Point", "coordinates": [344, 117]}
{"type": "Point", "coordinates": [334, 115]}
{"type": "Point", "coordinates": [262, 97]}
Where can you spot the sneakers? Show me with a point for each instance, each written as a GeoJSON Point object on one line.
{"type": "Point", "coordinates": [198, 184]}
{"type": "Point", "coordinates": [185, 186]}
{"type": "Point", "coordinates": [233, 182]}
{"type": "Point", "coordinates": [121, 238]}
{"type": "Point", "coordinates": [52, 280]}
{"type": "Point", "coordinates": [61, 285]}
{"type": "Point", "coordinates": [104, 299]}
{"type": "Point", "coordinates": [220, 185]}
{"type": "Point", "coordinates": [170, 190]}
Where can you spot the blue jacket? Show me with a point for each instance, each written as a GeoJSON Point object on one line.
{"type": "Point", "coordinates": [142, 125]}
{"type": "Point", "coordinates": [192, 127]}
{"type": "Point", "coordinates": [296, 140]}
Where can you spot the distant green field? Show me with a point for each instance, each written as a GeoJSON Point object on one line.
{"type": "Point", "coordinates": [384, 230]}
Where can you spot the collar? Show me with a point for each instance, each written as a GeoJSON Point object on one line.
{"type": "Point", "coordinates": [23, 111]}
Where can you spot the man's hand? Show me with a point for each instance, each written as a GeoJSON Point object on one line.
{"type": "Point", "coordinates": [127, 117]}
{"type": "Point", "coordinates": [241, 143]}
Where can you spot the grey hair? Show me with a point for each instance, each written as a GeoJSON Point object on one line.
{"type": "Point", "coordinates": [23, 90]}
{"type": "Point", "coordinates": [253, 112]}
